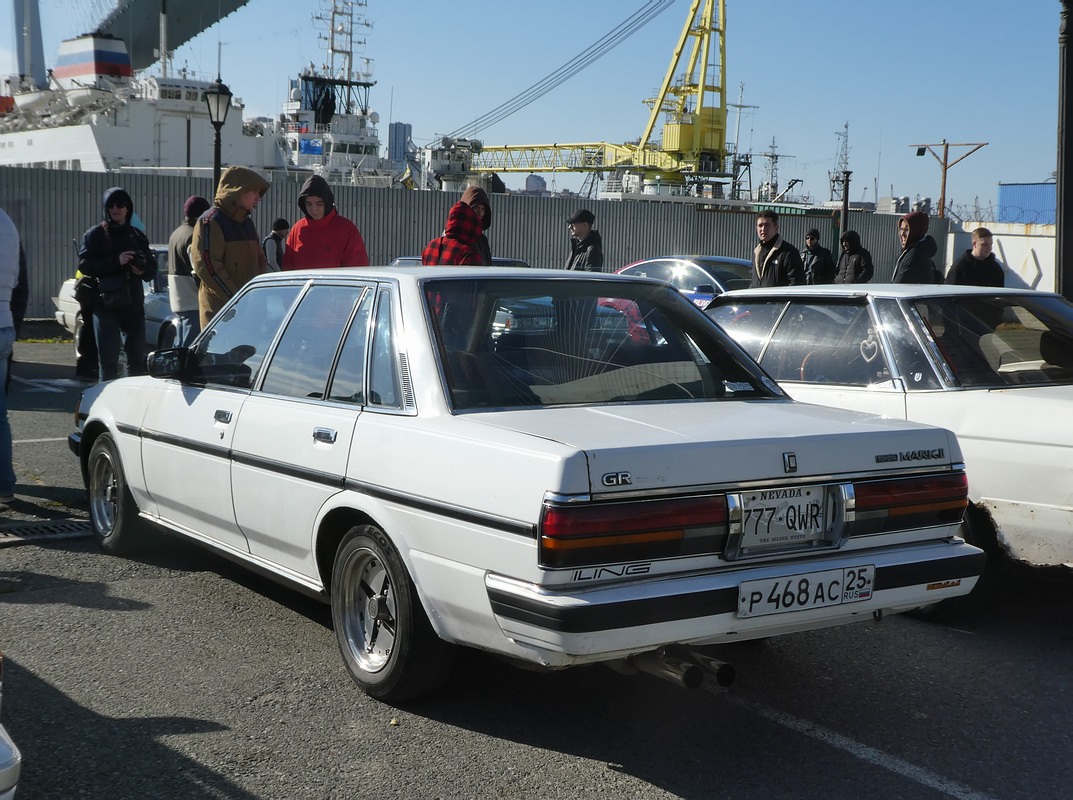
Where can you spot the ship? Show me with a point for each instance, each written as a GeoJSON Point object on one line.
{"type": "Point", "coordinates": [98, 110]}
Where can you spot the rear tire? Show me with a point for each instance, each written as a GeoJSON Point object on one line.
{"type": "Point", "coordinates": [112, 510]}
{"type": "Point", "coordinates": [385, 638]}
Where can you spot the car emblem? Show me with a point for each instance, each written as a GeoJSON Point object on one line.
{"type": "Point", "coordinates": [789, 462]}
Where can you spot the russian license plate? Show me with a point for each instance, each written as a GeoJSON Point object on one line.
{"type": "Point", "coordinates": [832, 587]}
{"type": "Point", "coordinates": [776, 519]}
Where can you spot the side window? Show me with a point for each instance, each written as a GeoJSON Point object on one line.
{"type": "Point", "coordinates": [660, 270]}
{"type": "Point", "coordinates": [912, 363]}
{"type": "Point", "coordinates": [688, 277]}
{"type": "Point", "coordinates": [828, 344]}
{"type": "Point", "coordinates": [348, 384]}
{"type": "Point", "coordinates": [749, 324]}
{"type": "Point", "coordinates": [304, 356]}
{"type": "Point", "coordinates": [231, 351]}
{"type": "Point", "coordinates": [384, 376]}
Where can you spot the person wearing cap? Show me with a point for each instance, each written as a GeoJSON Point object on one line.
{"type": "Point", "coordinates": [182, 285]}
{"type": "Point", "coordinates": [226, 251]}
{"type": "Point", "coordinates": [275, 243]}
{"type": "Point", "coordinates": [855, 262]}
{"type": "Point", "coordinates": [322, 237]}
{"type": "Point", "coordinates": [816, 259]}
{"type": "Point", "coordinates": [117, 255]}
{"type": "Point", "coordinates": [776, 262]}
{"type": "Point", "coordinates": [477, 199]}
{"type": "Point", "coordinates": [914, 264]}
{"type": "Point", "coordinates": [586, 247]}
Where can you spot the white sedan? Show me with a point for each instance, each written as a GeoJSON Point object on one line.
{"type": "Point", "coordinates": [993, 365]}
{"type": "Point", "coordinates": [614, 482]}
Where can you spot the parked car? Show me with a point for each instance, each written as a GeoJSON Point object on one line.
{"type": "Point", "coordinates": [160, 320]}
{"type": "Point", "coordinates": [415, 261]}
{"type": "Point", "coordinates": [562, 494]}
{"type": "Point", "coordinates": [699, 278]}
{"type": "Point", "coordinates": [10, 757]}
{"type": "Point", "coordinates": [993, 365]}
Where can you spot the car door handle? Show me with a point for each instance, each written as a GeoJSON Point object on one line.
{"type": "Point", "coordinates": [223, 416]}
{"type": "Point", "coordinates": [326, 435]}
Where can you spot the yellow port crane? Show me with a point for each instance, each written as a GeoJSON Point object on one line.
{"type": "Point", "coordinates": [693, 143]}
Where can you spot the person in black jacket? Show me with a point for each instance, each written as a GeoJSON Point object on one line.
{"type": "Point", "coordinates": [586, 246]}
{"type": "Point", "coordinates": [978, 265]}
{"type": "Point", "coordinates": [118, 256]}
{"type": "Point", "coordinates": [819, 266]}
{"type": "Point", "coordinates": [855, 263]}
{"type": "Point", "coordinates": [914, 264]}
{"type": "Point", "coordinates": [776, 262]}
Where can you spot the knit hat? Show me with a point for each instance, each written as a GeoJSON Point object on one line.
{"type": "Point", "coordinates": [195, 206]}
{"type": "Point", "coordinates": [813, 233]}
{"type": "Point", "coordinates": [584, 215]}
{"type": "Point", "coordinates": [280, 225]}
{"type": "Point", "coordinates": [918, 225]}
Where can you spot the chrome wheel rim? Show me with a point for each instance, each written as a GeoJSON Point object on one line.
{"type": "Point", "coordinates": [369, 612]}
{"type": "Point", "coordinates": [103, 495]}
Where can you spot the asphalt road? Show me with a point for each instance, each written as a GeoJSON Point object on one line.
{"type": "Point", "coordinates": [177, 675]}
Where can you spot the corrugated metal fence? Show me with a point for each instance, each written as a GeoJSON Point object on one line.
{"type": "Point", "coordinates": [53, 208]}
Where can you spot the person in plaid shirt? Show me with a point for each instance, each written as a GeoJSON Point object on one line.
{"type": "Point", "coordinates": [458, 245]}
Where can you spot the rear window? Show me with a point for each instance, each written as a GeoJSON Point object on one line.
{"type": "Point", "coordinates": [520, 343]}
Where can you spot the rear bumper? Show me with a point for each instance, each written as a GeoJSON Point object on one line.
{"type": "Point", "coordinates": [615, 620]}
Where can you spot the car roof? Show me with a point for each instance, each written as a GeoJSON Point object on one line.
{"type": "Point", "coordinates": [419, 273]}
{"type": "Point", "coordinates": [863, 290]}
{"type": "Point", "coordinates": [696, 257]}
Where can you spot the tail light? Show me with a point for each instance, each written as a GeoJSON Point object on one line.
{"type": "Point", "coordinates": [890, 505]}
{"type": "Point", "coordinates": [601, 533]}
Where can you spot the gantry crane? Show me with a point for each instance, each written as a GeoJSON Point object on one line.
{"type": "Point", "coordinates": [693, 143]}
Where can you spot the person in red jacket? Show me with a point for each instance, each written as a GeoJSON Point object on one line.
{"type": "Point", "coordinates": [458, 245]}
{"type": "Point", "coordinates": [322, 238]}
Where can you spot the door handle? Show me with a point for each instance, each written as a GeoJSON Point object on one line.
{"type": "Point", "coordinates": [223, 416]}
{"type": "Point", "coordinates": [326, 435]}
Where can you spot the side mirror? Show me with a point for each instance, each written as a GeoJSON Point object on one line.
{"type": "Point", "coordinates": [706, 288]}
{"type": "Point", "coordinates": [168, 363]}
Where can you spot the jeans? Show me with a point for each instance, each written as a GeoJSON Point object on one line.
{"type": "Point", "coordinates": [124, 327]}
{"type": "Point", "coordinates": [189, 326]}
{"type": "Point", "coordinates": [7, 469]}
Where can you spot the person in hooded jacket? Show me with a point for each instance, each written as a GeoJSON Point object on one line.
{"type": "Point", "coordinates": [226, 251]}
{"type": "Point", "coordinates": [477, 199]}
{"type": "Point", "coordinates": [978, 265]}
{"type": "Point", "coordinates": [182, 285]}
{"type": "Point", "coordinates": [855, 263]}
{"type": "Point", "coordinates": [118, 256]}
{"type": "Point", "coordinates": [322, 238]}
{"type": "Point", "coordinates": [914, 264]}
{"type": "Point", "coordinates": [458, 244]}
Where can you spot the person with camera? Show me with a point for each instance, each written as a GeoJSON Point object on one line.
{"type": "Point", "coordinates": [117, 256]}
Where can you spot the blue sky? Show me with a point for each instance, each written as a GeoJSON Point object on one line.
{"type": "Point", "coordinates": [899, 74]}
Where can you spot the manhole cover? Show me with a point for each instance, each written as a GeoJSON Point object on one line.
{"type": "Point", "coordinates": [47, 529]}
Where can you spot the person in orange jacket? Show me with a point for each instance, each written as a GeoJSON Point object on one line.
{"type": "Point", "coordinates": [322, 238]}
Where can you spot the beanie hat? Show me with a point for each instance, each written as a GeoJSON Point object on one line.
{"type": "Point", "coordinates": [195, 206]}
{"type": "Point", "coordinates": [583, 215]}
{"type": "Point", "coordinates": [280, 224]}
{"type": "Point", "coordinates": [813, 233]}
{"type": "Point", "coordinates": [918, 225]}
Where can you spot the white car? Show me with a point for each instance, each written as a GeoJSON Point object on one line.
{"type": "Point", "coordinates": [569, 492]}
{"type": "Point", "coordinates": [10, 757]}
{"type": "Point", "coordinates": [160, 320]}
{"type": "Point", "coordinates": [993, 365]}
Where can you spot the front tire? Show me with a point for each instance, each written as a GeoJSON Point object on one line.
{"type": "Point", "coordinates": [385, 638]}
{"type": "Point", "coordinates": [112, 510]}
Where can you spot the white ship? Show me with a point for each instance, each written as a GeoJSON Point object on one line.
{"type": "Point", "coordinates": [92, 112]}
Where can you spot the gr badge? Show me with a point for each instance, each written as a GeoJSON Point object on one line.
{"type": "Point", "coordinates": [617, 479]}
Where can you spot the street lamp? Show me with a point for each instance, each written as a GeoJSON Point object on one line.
{"type": "Point", "coordinates": [218, 100]}
{"type": "Point", "coordinates": [945, 163]}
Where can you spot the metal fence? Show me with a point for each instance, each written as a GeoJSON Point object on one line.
{"type": "Point", "coordinates": [53, 208]}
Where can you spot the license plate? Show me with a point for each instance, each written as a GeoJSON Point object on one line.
{"type": "Point", "coordinates": [832, 587]}
{"type": "Point", "coordinates": [777, 519]}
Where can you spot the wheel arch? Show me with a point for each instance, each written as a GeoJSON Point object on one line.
{"type": "Point", "coordinates": [90, 433]}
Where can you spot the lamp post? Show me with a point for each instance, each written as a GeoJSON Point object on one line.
{"type": "Point", "coordinates": [945, 163]}
{"type": "Point", "coordinates": [218, 100]}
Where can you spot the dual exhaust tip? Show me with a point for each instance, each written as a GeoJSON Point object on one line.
{"type": "Point", "coordinates": [685, 667]}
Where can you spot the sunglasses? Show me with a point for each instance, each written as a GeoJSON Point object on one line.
{"type": "Point", "coordinates": [116, 205]}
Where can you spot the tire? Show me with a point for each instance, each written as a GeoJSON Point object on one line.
{"type": "Point", "coordinates": [77, 333]}
{"type": "Point", "coordinates": [977, 530]}
{"type": "Point", "coordinates": [385, 638]}
{"type": "Point", "coordinates": [112, 509]}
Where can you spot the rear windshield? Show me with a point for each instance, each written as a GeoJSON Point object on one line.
{"type": "Point", "coordinates": [524, 343]}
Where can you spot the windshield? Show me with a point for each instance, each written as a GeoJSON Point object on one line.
{"type": "Point", "coordinates": [512, 343]}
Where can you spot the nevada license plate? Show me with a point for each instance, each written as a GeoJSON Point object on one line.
{"type": "Point", "coordinates": [832, 587]}
{"type": "Point", "coordinates": [776, 519]}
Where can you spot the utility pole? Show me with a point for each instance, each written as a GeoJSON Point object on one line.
{"type": "Point", "coordinates": [845, 199]}
{"type": "Point", "coordinates": [841, 164]}
{"type": "Point", "coordinates": [945, 163]}
{"type": "Point", "coordinates": [1063, 235]}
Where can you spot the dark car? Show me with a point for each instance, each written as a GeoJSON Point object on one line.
{"type": "Point", "coordinates": [415, 261]}
{"type": "Point", "coordinates": [699, 278]}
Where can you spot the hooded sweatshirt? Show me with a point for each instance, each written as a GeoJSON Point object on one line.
{"type": "Point", "coordinates": [458, 245]}
{"type": "Point", "coordinates": [226, 252]}
{"type": "Point", "coordinates": [103, 245]}
{"type": "Point", "coordinates": [915, 264]}
{"type": "Point", "coordinates": [331, 241]}
{"type": "Point", "coordinates": [855, 263]}
{"type": "Point", "coordinates": [972, 271]}
{"type": "Point", "coordinates": [476, 195]}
